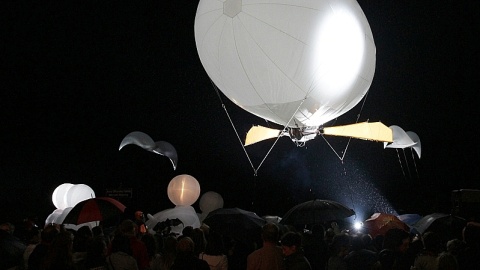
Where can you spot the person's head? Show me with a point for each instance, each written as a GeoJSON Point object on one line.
{"type": "Point", "coordinates": [198, 237]}
{"type": "Point", "coordinates": [49, 233]}
{"type": "Point", "coordinates": [432, 242]}
{"type": "Point", "coordinates": [121, 243]}
{"type": "Point", "coordinates": [170, 244]}
{"type": "Point", "coordinates": [139, 215]}
{"type": "Point", "coordinates": [151, 243]}
{"type": "Point", "coordinates": [187, 231]}
{"type": "Point", "coordinates": [185, 245]}
{"type": "Point", "coordinates": [127, 227]}
{"type": "Point", "coordinates": [340, 245]}
{"type": "Point", "coordinates": [97, 231]}
{"type": "Point", "coordinates": [8, 227]}
{"type": "Point", "coordinates": [82, 236]}
{"type": "Point", "coordinates": [215, 244]}
{"type": "Point", "coordinates": [396, 240]}
{"type": "Point", "coordinates": [291, 242]}
{"type": "Point", "coordinates": [471, 235]}
{"type": "Point", "coordinates": [446, 261]}
{"type": "Point", "coordinates": [455, 246]}
{"type": "Point", "coordinates": [270, 233]}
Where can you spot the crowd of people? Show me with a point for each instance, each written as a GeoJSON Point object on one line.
{"type": "Point", "coordinates": [125, 246]}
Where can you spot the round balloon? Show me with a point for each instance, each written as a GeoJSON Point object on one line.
{"type": "Point", "coordinates": [295, 63]}
{"type": "Point", "coordinates": [183, 189]}
{"type": "Point", "coordinates": [78, 193]}
{"type": "Point", "coordinates": [58, 196]}
{"type": "Point", "coordinates": [210, 201]}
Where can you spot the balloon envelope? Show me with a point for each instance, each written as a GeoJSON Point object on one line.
{"type": "Point", "coordinates": [210, 201]}
{"type": "Point", "coordinates": [311, 60]}
{"type": "Point", "coordinates": [78, 193]}
{"type": "Point", "coordinates": [183, 189]}
{"type": "Point", "coordinates": [58, 196]}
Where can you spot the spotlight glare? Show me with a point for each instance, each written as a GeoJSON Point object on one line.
{"type": "Point", "coordinates": [357, 225]}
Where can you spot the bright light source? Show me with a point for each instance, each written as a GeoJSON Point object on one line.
{"type": "Point", "coordinates": [357, 225]}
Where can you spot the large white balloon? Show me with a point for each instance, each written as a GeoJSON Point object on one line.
{"type": "Point", "coordinates": [183, 189]}
{"type": "Point", "coordinates": [58, 196]}
{"type": "Point", "coordinates": [78, 193]}
{"type": "Point", "coordinates": [312, 60]}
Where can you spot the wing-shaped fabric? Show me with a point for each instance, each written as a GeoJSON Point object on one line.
{"type": "Point", "coordinates": [138, 138]}
{"type": "Point", "coordinates": [418, 145]}
{"type": "Point", "coordinates": [400, 138]}
{"type": "Point", "coordinates": [166, 149]}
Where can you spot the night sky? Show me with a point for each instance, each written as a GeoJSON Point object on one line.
{"type": "Point", "coordinates": [77, 77]}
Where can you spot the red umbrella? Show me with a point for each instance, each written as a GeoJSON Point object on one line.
{"type": "Point", "coordinates": [380, 223]}
{"type": "Point", "coordinates": [94, 209]}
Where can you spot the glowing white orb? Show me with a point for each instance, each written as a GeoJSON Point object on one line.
{"type": "Point", "coordinates": [78, 193]}
{"type": "Point", "coordinates": [58, 196]}
{"type": "Point", "coordinates": [183, 189]}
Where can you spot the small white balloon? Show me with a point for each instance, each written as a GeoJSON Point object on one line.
{"type": "Point", "coordinates": [210, 201]}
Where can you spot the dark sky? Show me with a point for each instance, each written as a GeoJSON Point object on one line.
{"type": "Point", "coordinates": [77, 77]}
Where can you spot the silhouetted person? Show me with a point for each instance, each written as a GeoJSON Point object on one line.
{"type": "Point", "coordinates": [339, 248]}
{"type": "Point", "coordinates": [214, 253]}
{"type": "Point", "coordinates": [269, 256]}
{"type": "Point", "coordinates": [432, 246]}
{"type": "Point", "coordinates": [294, 257]}
{"type": "Point", "coordinates": [393, 254]}
{"type": "Point", "coordinates": [469, 257]}
{"type": "Point", "coordinates": [38, 255]}
{"type": "Point", "coordinates": [59, 255]}
{"type": "Point", "coordinates": [96, 254]}
{"type": "Point", "coordinates": [360, 257]}
{"type": "Point", "coordinates": [11, 247]}
{"type": "Point", "coordinates": [139, 250]}
{"type": "Point", "coordinates": [121, 256]}
{"type": "Point", "coordinates": [186, 259]}
{"type": "Point", "coordinates": [316, 248]}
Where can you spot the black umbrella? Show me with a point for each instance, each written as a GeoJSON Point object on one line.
{"type": "Point", "coordinates": [316, 212]}
{"type": "Point", "coordinates": [236, 223]}
{"type": "Point", "coordinates": [445, 225]}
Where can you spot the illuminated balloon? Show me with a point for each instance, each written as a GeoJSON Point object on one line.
{"type": "Point", "coordinates": [78, 193]}
{"type": "Point", "coordinates": [295, 63]}
{"type": "Point", "coordinates": [210, 201]}
{"type": "Point", "coordinates": [183, 189]}
{"type": "Point", "coordinates": [52, 218]}
{"type": "Point", "coordinates": [58, 196]}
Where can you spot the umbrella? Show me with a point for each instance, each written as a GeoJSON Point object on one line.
{"type": "Point", "coordinates": [235, 223]}
{"type": "Point", "coordinates": [94, 209]}
{"type": "Point", "coordinates": [315, 212]}
{"type": "Point", "coordinates": [410, 219]}
{"type": "Point", "coordinates": [446, 225]}
{"type": "Point", "coordinates": [380, 223]}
